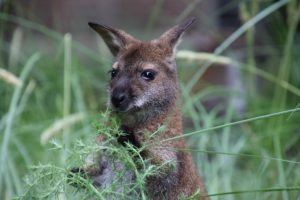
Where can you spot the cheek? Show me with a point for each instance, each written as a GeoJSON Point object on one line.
{"type": "Point", "coordinates": [135, 89]}
{"type": "Point", "coordinates": [111, 85]}
{"type": "Point", "coordinates": [154, 91]}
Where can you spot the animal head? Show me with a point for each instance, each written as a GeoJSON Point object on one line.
{"type": "Point", "coordinates": [144, 75]}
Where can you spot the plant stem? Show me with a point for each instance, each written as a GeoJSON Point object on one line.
{"type": "Point", "coordinates": [233, 37]}
{"type": "Point", "coordinates": [280, 97]}
{"type": "Point", "coordinates": [12, 112]}
{"type": "Point", "coordinates": [257, 190]}
{"type": "Point", "coordinates": [235, 123]}
{"type": "Point", "coordinates": [250, 36]}
{"type": "Point", "coordinates": [67, 90]}
{"type": "Point", "coordinates": [155, 13]}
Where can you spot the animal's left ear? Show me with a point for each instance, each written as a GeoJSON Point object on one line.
{"type": "Point", "coordinates": [171, 38]}
{"type": "Point", "coordinates": [115, 39]}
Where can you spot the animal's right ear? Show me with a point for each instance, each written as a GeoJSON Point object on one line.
{"type": "Point", "coordinates": [116, 40]}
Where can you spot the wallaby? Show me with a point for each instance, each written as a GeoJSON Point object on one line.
{"type": "Point", "coordinates": [144, 95]}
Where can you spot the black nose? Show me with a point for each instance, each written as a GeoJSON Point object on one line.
{"type": "Point", "coordinates": [119, 98]}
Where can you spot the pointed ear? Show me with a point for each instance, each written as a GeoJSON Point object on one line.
{"type": "Point", "coordinates": [171, 37]}
{"type": "Point", "coordinates": [116, 40]}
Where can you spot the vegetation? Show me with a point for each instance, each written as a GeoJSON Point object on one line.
{"type": "Point", "coordinates": [50, 104]}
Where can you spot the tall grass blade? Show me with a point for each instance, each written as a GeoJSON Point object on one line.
{"type": "Point", "coordinates": [67, 89]}
{"type": "Point", "coordinates": [60, 125]}
{"type": "Point", "coordinates": [200, 57]}
{"type": "Point", "coordinates": [280, 97]}
{"type": "Point", "coordinates": [11, 114]}
{"type": "Point", "coordinates": [233, 37]}
{"type": "Point", "coordinates": [280, 189]}
{"type": "Point", "coordinates": [261, 117]}
{"type": "Point", "coordinates": [10, 77]}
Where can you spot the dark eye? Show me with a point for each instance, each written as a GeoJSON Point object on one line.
{"type": "Point", "coordinates": [113, 73]}
{"type": "Point", "coordinates": [148, 75]}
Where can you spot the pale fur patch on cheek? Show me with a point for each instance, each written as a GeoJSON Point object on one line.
{"type": "Point", "coordinates": [146, 97]}
{"type": "Point", "coordinates": [140, 101]}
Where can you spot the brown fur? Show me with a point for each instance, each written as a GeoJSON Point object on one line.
{"type": "Point", "coordinates": [151, 104]}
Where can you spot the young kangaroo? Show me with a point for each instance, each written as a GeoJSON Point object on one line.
{"type": "Point", "coordinates": [144, 95]}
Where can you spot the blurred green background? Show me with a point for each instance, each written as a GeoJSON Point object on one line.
{"type": "Point", "coordinates": [243, 63]}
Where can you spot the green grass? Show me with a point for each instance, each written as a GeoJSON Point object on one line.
{"type": "Point", "coordinates": [48, 181]}
{"type": "Point", "coordinates": [49, 123]}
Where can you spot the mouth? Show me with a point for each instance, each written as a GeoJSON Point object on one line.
{"type": "Point", "coordinates": [125, 109]}
{"type": "Point", "coordinates": [119, 110]}
{"type": "Point", "coordinates": [131, 106]}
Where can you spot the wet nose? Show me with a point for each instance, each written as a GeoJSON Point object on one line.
{"type": "Point", "coordinates": [119, 98]}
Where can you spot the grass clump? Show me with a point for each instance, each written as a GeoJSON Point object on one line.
{"type": "Point", "coordinates": [48, 181]}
